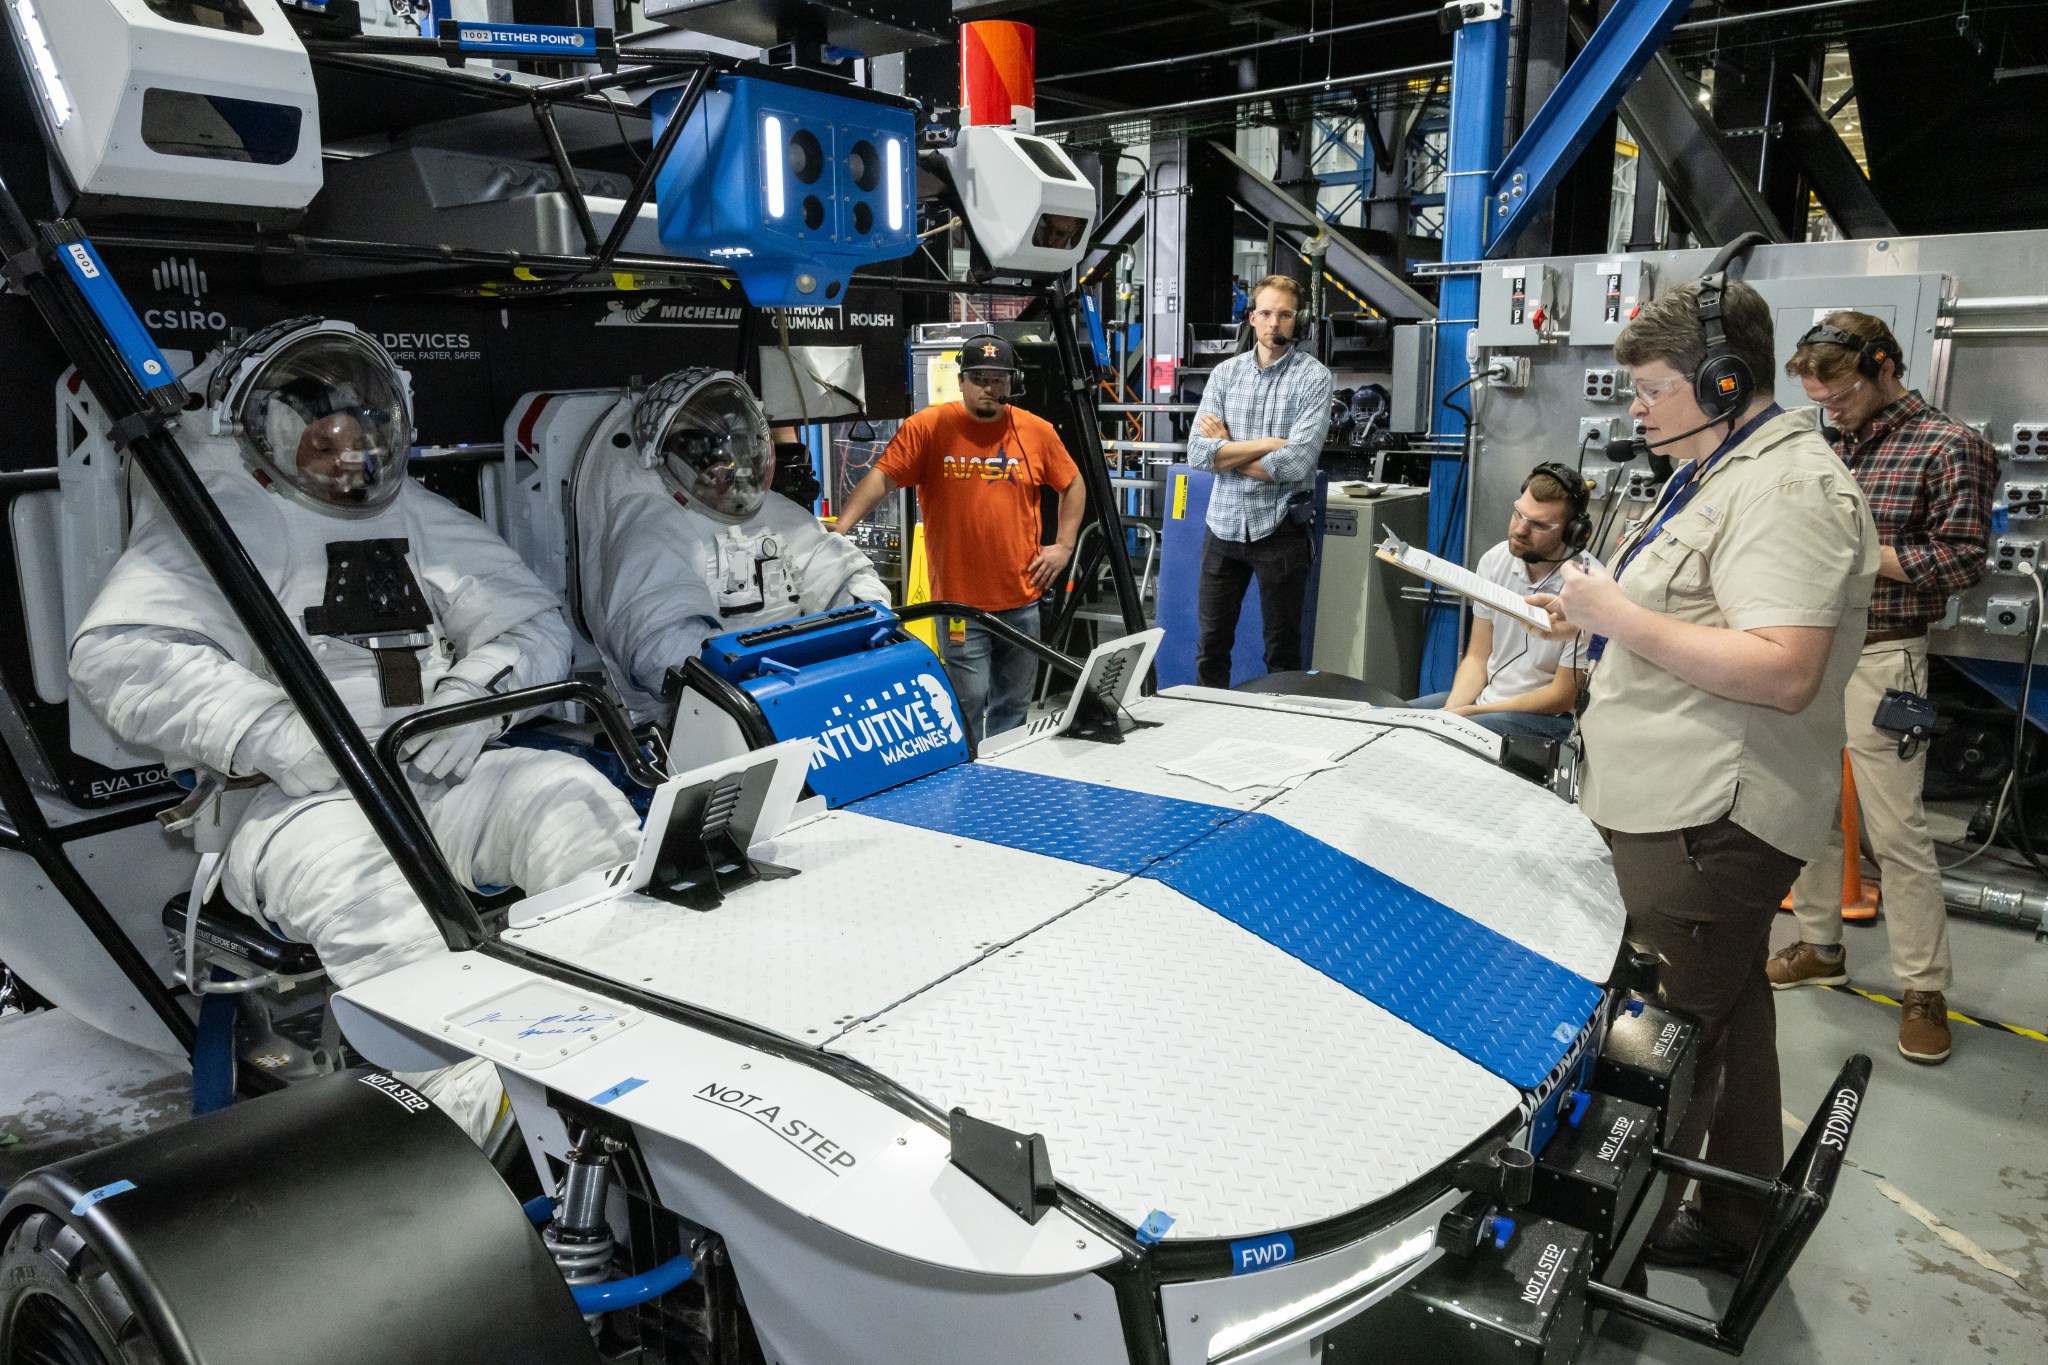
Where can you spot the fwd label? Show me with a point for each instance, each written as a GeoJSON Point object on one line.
{"type": "Point", "coordinates": [1260, 1253]}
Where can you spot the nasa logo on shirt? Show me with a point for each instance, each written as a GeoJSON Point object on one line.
{"type": "Point", "coordinates": [1000, 467]}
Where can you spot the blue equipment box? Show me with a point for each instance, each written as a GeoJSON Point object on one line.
{"type": "Point", "coordinates": [1180, 585]}
{"type": "Point", "coordinates": [877, 700]}
{"type": "Point", "coordinates": [790, 187]}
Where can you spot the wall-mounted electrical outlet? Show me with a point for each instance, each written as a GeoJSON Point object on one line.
{"type": "Point", "coordinates": [1596, 432]}
{"type": "Point", "coordinates": [1641, 484]}
{"type": "Point", "coordinates": [1601, 478]}
{"type": "Point", "coordinates": [2030, 440]}
{"type": "Point", "coordinates": [1508, 372]}
{"type": "Point", "coordinates": [2025, 499]}
{"type": "Point", "coordinates": [2011, 552]}
{"type": "Point", "coordinates": [1605, 386]}
{"type": "Point", "coordinates": [2005, 615]}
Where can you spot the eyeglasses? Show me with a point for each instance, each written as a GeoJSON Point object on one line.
{"type": "Point", "coordinates": [1515, 514]}
{"type": "Point", "coordinates": [987, 379]}
{"type": "Point", "coordinates": [1652, 391]}
{"type": "Point", "coordinates": [1274, 314]}
{"type": "Point", "coordinates": [1834, 400]}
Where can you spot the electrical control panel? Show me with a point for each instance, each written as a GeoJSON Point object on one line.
{"type": "Point", "coordinates": [1516, 304]}
{"type": "Point", "coordinates": [1929, 290]}
{"type": "Point", "coordinates": [2011, 553]}
{"type": "Point", "coordinates": [1605, 296]}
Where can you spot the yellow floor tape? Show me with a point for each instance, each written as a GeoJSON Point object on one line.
{"type": "Point", "coordinates": [2035, 1034]}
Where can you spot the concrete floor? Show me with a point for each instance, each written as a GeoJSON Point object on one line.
{"type": "Point", "coordinates": [1963, 1146]}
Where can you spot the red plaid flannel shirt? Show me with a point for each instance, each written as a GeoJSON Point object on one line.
{"type": "Point", "coordinates": [1928, 480]}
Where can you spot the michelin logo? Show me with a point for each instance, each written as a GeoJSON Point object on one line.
{"type": "Point", "coordinates": [896, 725]}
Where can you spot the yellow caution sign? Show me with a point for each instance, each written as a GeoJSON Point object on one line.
{"type": "Point", "coordinates": [918, 588]}
{"type": "Point", "coordinates": [942, 377]}
{"type": "Point", "coordinates": [1180, 497]}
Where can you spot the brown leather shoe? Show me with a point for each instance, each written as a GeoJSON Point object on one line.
{"type": "Point", "coordinates": [1923, 1027]}
{"type": "Point", "coordinates": [1801, 964]}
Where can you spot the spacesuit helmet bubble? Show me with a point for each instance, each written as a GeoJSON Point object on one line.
{"type": "Point", "coordinates": [323, 411]}
{"type": "Point", "coordinates": [709, 439]}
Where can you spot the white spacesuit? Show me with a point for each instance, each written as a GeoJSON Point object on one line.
{"type": "Point", "coordinates": [679, 538]}
{"type": "Point", "coordinates": [404, 599]}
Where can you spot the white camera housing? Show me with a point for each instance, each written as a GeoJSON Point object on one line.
{"type": "Point", "coordinates": [1027, 204]}
{"type": "Point", "coordinates": [179, 116]}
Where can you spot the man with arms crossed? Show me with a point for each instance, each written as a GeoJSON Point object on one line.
{"type": "Point", "coordinates": [1260, 429]}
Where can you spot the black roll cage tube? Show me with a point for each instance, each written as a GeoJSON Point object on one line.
{"type": "Point", "coordinates": [143, 422]}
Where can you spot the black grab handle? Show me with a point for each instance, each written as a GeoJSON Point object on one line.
{"type": "Point", "coordinates": [617, 726]}
{"type": "Point", "coordinates": [1798, 1198]}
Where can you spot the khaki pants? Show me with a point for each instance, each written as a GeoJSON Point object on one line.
{"type": "Point", "coordinates": [1888, 795]}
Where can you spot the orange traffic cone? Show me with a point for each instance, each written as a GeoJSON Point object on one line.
{"type": "Point", "coordinates": [1859, 898]}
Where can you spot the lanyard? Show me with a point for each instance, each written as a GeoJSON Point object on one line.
{"type": "Point", "coordinates": [1673, 500]}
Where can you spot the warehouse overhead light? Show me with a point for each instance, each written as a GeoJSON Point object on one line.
{"type": "Point", "coordinates": [44, 61]}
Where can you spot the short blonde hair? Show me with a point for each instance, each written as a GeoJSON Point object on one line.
{"type": "Point", "coordinates": [1287, 282]}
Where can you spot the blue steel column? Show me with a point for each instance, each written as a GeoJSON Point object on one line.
{"type": "Point", "coordinates": [1479, 63]}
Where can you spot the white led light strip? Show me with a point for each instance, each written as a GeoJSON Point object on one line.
{"type": "Point", "coordinates": [1241, 1334]}
{"type": "Point", "coordinates": [44, 61]}
{"type": "Point", "coordinates": [895, 184]}
{"type": "Point", "coordinates": [771, 158]}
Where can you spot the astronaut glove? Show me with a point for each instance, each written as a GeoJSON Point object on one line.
{"type": "Point", "coordinates": [280, 745]}
{"type": "Point", "coordinates": [448, 755]}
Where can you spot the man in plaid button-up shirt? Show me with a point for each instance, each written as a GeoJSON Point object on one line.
{"type": "Point", "coordinates": [1260, 428]}
{"type": "Point", "coordinates": [1928, 480]}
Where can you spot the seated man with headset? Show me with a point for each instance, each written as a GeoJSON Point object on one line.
{"type": "Point", "coordinates": [1509, 680]}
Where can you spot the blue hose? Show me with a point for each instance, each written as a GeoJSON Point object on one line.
{"type": "Point", "coordinates": [612, 1294]}
{"type": "Point", "coordinates": [629, 1293]}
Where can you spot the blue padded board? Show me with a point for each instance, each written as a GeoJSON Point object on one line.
{"type": "Point", "coordinates": [1513, 1011]}
{"type": "Point", "coordinates": [1505, 1007]}
{"type": "Point", "coordinates": [1080, 822]}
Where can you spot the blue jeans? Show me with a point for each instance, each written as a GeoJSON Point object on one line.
{"type": "Point", "coordinates": [991, 677]}
{"type": "Point", "coordinates": [1558, 728]}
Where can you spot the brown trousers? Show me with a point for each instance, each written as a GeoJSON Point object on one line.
{"type": "Point", "coordinates": [1701, 900]}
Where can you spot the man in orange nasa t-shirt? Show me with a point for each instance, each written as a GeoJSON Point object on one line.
{"type": "Point", "coordinates": [977, 466]}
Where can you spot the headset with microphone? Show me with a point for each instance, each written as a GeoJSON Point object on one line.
{"type": "Point", "coordinates": [1870, 355]}
{"type": "Point", "coordinates": [1724, 384]}
{"type": "Point", "coordinates": [1578, 529]}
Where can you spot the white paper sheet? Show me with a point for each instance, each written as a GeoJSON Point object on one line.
{"type": "Point", "coordinates": [1235, 764]}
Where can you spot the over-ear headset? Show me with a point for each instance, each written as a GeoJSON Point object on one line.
{"type": "Point", "coordinates": [1723, 384]}
{"type": "Point", "coordinates": [1869, 354]}
{"type": "Point", "coordinates": [1578, 531]}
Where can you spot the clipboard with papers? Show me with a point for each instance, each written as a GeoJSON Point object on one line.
{"type": "Point", "coordinates": [1461, 581]}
